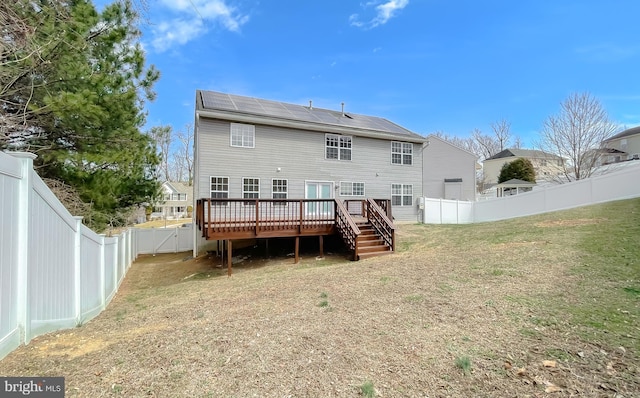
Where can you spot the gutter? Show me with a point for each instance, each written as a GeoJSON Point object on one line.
{"type": "Point", "coordinates": [311, 126]}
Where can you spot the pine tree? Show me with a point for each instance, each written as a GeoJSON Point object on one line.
{"type": "Point", "coordinates": [73, 86]}
{"type": "Point", "coordinates": [520, 169]}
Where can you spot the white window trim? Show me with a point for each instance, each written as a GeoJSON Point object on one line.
{"type": "Point", "coordinates": [228, 186]}
{"type": "Point", "coordinates": [286, 192]}
{"type": "Point", "coordinates": [350, 193]}
{"type": "Point", "coordinates": [339, 137]}
{"type": "Point", "coordinates": [252, 130]}
{"type": "Point", "coordinates": [402, 195]}
{"type": "Point", "coordinates": [401, 153]}
{"type": "Point", "coordinates": [243, 191]}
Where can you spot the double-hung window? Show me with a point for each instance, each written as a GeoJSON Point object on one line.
{"type": "Point", "coordinates": [401, 153]}
{"type": "Point", "coordinates": [243, 135]}
{"type": "Point", "coordinates": [220, 189]}
{"type": "Point", "coordinates": [401, 194]}
{"type": "Point", "coordinates": [279, 190]}
{"type": "Point", "coordinates": [338, 147]}
{"type": "Point", "coordinates": [348, 188]}
{"type": "Point", "coordinates": [250, 189]}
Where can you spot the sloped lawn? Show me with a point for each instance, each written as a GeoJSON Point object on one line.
{"type": "Point", "coordinates": [534, 307]}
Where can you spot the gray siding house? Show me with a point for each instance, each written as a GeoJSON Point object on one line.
{"type": "Point", "coordinates": [623, 146]}
{"type": "Point", "coordinates": [250, 148]}
{"type": "Point", "coordinates": [449, 171]}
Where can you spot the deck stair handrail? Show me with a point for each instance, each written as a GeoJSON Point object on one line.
{"type": "Point", "coordinates": [347, 227]}
{"type": "Point", "coordinates": [381, 223]}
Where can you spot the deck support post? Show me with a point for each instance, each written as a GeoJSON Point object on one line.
{"type": "Point", "coordinates": [229, 251]}
{"type": "Point", "coordinates": [266, 247]}
{"type": "Point", "coordinates": [321, 246]}
{"type": "Point", "coordinates": [297, 250]}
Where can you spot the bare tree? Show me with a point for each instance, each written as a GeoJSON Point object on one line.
{"type": "Point", "coordinates": [502, 131]}
{"type": "Point", "coordinates": [161, 135]}
{"type": "Point", "coordinates": [487, 145]}
{"type": "Point", "coordinates": [184, 155]}
{"type": "Point", "coordinates": [576, 134]}
{"type": "Point", "coordinates": [517, 142]}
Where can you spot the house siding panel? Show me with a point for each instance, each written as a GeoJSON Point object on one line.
{"type": "Point", "coordinates": [300, 157]}
{"type": "Point", "coordinates": [443, 160]}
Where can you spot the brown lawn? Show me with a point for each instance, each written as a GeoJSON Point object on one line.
{"type": "Point", "coordinates": [452, 314]}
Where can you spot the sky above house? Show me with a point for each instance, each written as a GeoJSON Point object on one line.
{"type": "Point", "coordinates": [428, 65]}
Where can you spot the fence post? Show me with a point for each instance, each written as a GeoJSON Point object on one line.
{"type": "Point", "coordinates": [25, 192]}
{"type": "Point", "coordinates": [77, 280]}
{"type": "Point", "coordinates": [103, 279]}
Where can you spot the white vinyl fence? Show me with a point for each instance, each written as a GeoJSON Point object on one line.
{"type": "Point", "coordinates": [55, 273]}
{"type": "Point", "coordinates": [616, 185]}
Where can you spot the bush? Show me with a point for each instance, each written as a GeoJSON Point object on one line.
{"type": "Point", "coordinates": [521, 169]}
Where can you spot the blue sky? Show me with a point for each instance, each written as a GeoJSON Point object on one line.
{"type": "Point", "coordinates": [427, 65]}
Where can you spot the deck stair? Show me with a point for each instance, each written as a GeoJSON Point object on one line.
{"type": "Point", "coordinates": [370, 243]}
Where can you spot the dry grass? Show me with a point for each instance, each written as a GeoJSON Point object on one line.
{"type": "Point", "coordinates": [486, 310]}
{"type": "Point", "coordinates": [164, 223]}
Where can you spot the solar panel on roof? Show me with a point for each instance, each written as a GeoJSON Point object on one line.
{"type": "Point", "coordinates": [215, 100]}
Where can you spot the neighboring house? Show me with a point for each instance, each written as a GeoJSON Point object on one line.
{"type": "Point", "coordinates": [546, 165]}
{"type": "Point", "coordinates": [623, 146]}
{"type": "Point", "coordinates": [449, 172]}
{"type": "Point", "coordinates": [261, 150]}
{"type": "Point", "coordinates": [175, 201]}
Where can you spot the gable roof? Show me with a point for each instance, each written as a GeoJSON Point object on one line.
{"type": "Point", "coordinates": [515, 182]}
{"type": "Point", "coordinates": [260, 111]}
{"type": "Point", "coordinates": [626, 133]}
{"type": "Point", "coordinates": [522, 153]}
{"type": "Point", "coordinates": [178, 187]}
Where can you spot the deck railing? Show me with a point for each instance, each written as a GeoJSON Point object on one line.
{"type": "Point", "coordinates": [246, 218]}
{"type": "Point", "coordinates": [359, 207]}
{"type": "Point", "coordinates": [347, 228]}
{"type": "Point", "coordinates": [381, 223]}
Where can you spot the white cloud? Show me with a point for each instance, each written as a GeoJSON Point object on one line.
{"type": "Point", "coordinates": [188, 19]}
{"type": "Point", "coordinates": [383, 13]}
{"type": "Point", "coordinates": [176, 32]}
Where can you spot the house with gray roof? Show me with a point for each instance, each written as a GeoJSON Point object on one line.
{"type": "Point", "coordinates": [546, 165]}
{"type": "Point", "coordinates": [267, 154]}
{"type": "Point", "coordinates": [622, 146]}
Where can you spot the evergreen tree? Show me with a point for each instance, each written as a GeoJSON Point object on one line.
{"type": "Point", "coordinates": [520, 169]}
{"type": "Point", "coordinates": [73, 86]}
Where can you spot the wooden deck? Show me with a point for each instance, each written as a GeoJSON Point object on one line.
{"type": "Point", "coordinates": [229, 219]}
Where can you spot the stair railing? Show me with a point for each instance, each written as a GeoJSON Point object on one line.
{"type": "Point", "coordinates": [381, 223]}
{"type": "Point", "coordinates": [347, 228]}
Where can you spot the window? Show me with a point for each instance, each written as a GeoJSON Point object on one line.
{"type": "Point", "coordinates": [401, 195]}
{"type": "Point", "coordinates": [220, 189]}
{"type": "Point", "coordinates": [250, 189]}
{"type": "Point", "coordinates": [243, 135]}
{"type": "Point", "coordinates": [179, 196]}
{"type": "Point", "coordinates": [402, 153]}
{"type": "Point", "coordinates": [338, 147]}
{"type": "Point", "coordinates": [348, 188]}
{"type": "Point", "coordinates": [279, 190]}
